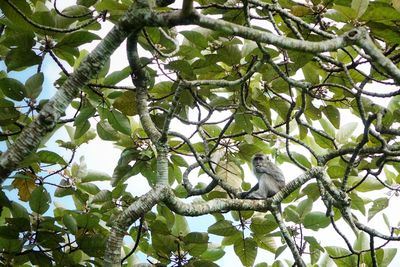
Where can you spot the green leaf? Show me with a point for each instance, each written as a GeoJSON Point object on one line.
{"type": "Point", "coordinates": [81, 129]}
{"type": "Point", "coordinates": [316, 220]}
{"type": "Point", "coordinates": [304, 207]}
{"type": "Point", "coordinates": [181, 226]}
{"type": "Point", "coordinates": [93, 244]}
{"type": "Point", "coordinates": [102, 196]}
{"type": "Point", "coordinates": [314, 243]}
{"type": "Point", "coordinates": [13, 88]}
{"type": "Point", "coordinates": [87, 187]}
{"type": "Point", "coordinates": [196, 237]}
{"type": "Point", "coordinates": [164, 244]}
{"type": "Point", "coordinates": [195, 38]}
{"type": "Point", "coordinates": [263, 225]}
{"type": "Point", "coordinates": [246, 250]}
{"type": "Point", "coordinates": [368, 184]}
{"type": "Point", "coordinates": [40, 200]}
{"type": "Point", "coordinates": [46, 156]}
{"type": "Point", "coordinates": [70, 222]}
{"type": "Point", "coordinates": [347, 13]}
{"type": "Point", "coordinates": [179, 161]}
{"type": "Point", "coordinates": [8, 113]}
{"type": "Point", "coordinates": [333, 115]}
{"type": "Point", "coordinates": [84, 115]}
{"type": "Point", "coordinates": [301, 159]}
{"type": "Point", "coordinates": [243, 122]}
{"type": "Point", "coordinates": [345, 132]}
{"type": "Point", "coordinates": [76, 39]}
{"type": "Point", "coordinates": [33, 85]}
{"type": "Point", "coordinates": [213, 253]}
{"type": "Point", "coordinates": [19, 59]}
{"type": "Point", "coordinates": [106, 132]}
{"type": "Point", "coordinates": [340, 256]}
{"type": "Point", "coordinates": [126, 103]}
{"type": "Point", "coordinates": [93, 175]}
{"type": "Point", "coordinates": [360, 6]}
{"type": "Point", "coordinates": [322, 141]}
{"type": "Point", "coordinates": [378, 205]}
{"type": "Point", "coordinates": [119, 122]}
{"type": "Point", "coordinates": [87, 220]}
{"type": "Point", "coordinates": [117, 76]}
{"type": "Point", "coordinates": [291, 214]}
{"type": "Point", "coordinates": [222, 228]}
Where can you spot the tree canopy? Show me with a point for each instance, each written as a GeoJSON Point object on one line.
{"type": "Point", "coordinates": [313, 84]}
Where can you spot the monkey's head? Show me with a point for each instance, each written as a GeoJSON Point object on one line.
{"type": "Point", "coordinates": [258, 159]}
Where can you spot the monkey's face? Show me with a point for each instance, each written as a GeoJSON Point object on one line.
{"type": "Point", "coordinates": [259, 159]}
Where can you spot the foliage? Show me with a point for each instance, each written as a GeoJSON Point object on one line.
{"type": "Point", "coordinates": [294, 81]}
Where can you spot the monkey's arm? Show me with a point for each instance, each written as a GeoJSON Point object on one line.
{"type": "Point", "coordinates": [245, 194]}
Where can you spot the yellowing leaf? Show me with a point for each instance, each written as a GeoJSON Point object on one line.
{"type": "Point", "coordinates": [25, 187]}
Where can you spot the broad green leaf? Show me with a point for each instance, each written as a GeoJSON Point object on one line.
{"type": "Point", "coordinates": [20, 59]}
{"type": "Point", "coordinates": [126, 103]}
{"type": "Point", "coordinates": [119, 122]}
{"type": "Point", "coordinates": [222, 228]}
{"type": "Point", "coordinates": [379, 204]}
{"type": "Point", "coordinates": [81, 129]}
{"type": "Point", "coordinates": [181, 226]}
{"type": "Point", "coordinates": [13, 88]}
{"type": "Point", "coordinates": [333, 115]}
{"type": "Point", "coordinates": [338, 253]}
{"type": "Point", "coordinates": [87, 220]}
{"type": "Point", "coordinates": [302, 160]}
{"type": "Point", "coordinates": [362, 242]}
{"type": "Point", "coordinates": [70, 222]}
{"type": "Point", "coordinates": [106, 132]}
{"type": "Point", "coordinates": [76, 39]}
{"type": "Point", "coordinates": [368, 184]}
{"type": "Point", "coordinates": [179, 161]}
{"type": "Point", "coordinates": [359, 6]}
{"type": "Point", "coordinates": [92, 244]}
{"type": "Point", "coordinates": [8, 113]}
{"type": "Point", "coordinates": [90, 188]}
{"type": "Point", "coordinates": [316, 220]}
{"type": "Point", "coordinates": [347, 12]}
{"type": "Point", "coordinates": [322, 141]}
{"type": "Point", "coordinates": [345, 132]}
{"type": "Point", "coordinates": [117, 76]}
{"type": "Point", "coordinates": [213, 253]}
{"type": "Point", "coordinates": [260, 225]}
{"type": "Point", "coordinates": [102, 196]}
{"type": "Point", "coordinates": [246, 250]}
{"type": "Point", "coordinates": [164, 244]}
{"type": "Point", "coordinates": [46, 156]}
{"type": "Point", "coordinates": [11, 245]}
{"type": "Point", "coordinates": [84, 115]}
{"type": "Point", "coordinates": [357, 203]}
{"type": "Point", "coordinates": [93, 175]}
{"type": "Point", "coordinates": [266, 242]}
{"type": "Point", "coordinates": [328, 127]}
{"type": "Point", "coordinates": [304, 207]}
{"type": "Point", "coordinates": [388, 253]}
{"type": "Point", "coordinates": [33, 85]}
{"type": "Point", "coordinates": [291, 214]}
{"type": "Point", "coordinates": [40, 200]}
{"type": "Point", "coordinates": [195, 38]}
{"type": "Point", "coordinates": [314, 242]}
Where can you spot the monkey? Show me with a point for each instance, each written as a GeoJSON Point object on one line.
{"type": "Point", "coordinates": [270, 178]}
